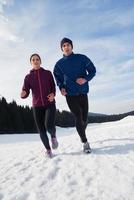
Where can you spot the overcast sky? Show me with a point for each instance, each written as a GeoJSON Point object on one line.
{"type": "Point", "coordinates": [101, 29]}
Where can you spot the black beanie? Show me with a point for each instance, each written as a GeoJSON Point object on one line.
{"type": "Point", "coordinates": [66, 40]}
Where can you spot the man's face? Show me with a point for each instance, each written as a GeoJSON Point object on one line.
{"type": "Point", "coordinates": [67, 48]}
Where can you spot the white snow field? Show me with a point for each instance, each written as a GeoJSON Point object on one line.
{"type": "Point", "coordinates": [105, 174]}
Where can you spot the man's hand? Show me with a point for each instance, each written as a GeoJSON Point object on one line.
{"type": "Point", "coordinates": [63, 92]}
{"type": "Point", "coordinates": [81, 81]}
{"type": "Point", "coordinates": [50, 97]}
{"type": "Point", "coordinates": [23, 93]}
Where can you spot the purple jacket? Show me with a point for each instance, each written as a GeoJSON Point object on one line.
{"type": "Point", "coordinates": [41, 83]}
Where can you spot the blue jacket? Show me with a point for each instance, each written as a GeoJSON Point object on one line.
{"type": "Point", "coordinates": [71, 67]}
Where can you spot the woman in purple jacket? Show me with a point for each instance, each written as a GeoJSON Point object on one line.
{"type": "Point", "coordinates": [42, 85]}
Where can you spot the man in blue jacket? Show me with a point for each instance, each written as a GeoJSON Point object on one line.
{"type": "Point", "coordinates": [72, 74]}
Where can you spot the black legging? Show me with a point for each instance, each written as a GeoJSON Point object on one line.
{"type": "Point", "coordinates": [79, 107]}
{"type": "Point", "coordinates": [45, 121]}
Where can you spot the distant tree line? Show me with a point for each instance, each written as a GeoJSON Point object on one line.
{"type": "Point", "coordinates": [108, 118]}
{"type": "Point", "coordinates": [14, 118]}
{"type": "Point", "coordinates": [19, 119]}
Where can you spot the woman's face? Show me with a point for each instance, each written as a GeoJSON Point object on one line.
{"type": "Point", "coordinates": [35, 62]}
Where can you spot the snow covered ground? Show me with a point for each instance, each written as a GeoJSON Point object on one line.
{"type": "Point", "coordinates": [105, 174]}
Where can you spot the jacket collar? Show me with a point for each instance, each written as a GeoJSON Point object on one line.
{"type": "Point", "coordinates": [34, 70]}
{"type": "Point", "coordinates": [64, 56]}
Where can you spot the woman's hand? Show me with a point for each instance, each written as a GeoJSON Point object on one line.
{"type": "Point", "coordinates": [50, 97]}
{"type": "Point", "coordinates": [23, 93]}
{"type": "Point", "coordinates": [81, 81]}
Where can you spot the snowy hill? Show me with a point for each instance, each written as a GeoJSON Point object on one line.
{"type": "Point", "coordinates": [106, 174]}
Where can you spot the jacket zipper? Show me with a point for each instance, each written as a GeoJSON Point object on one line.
{"type": "Point", "coordinates": [40, 89]}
